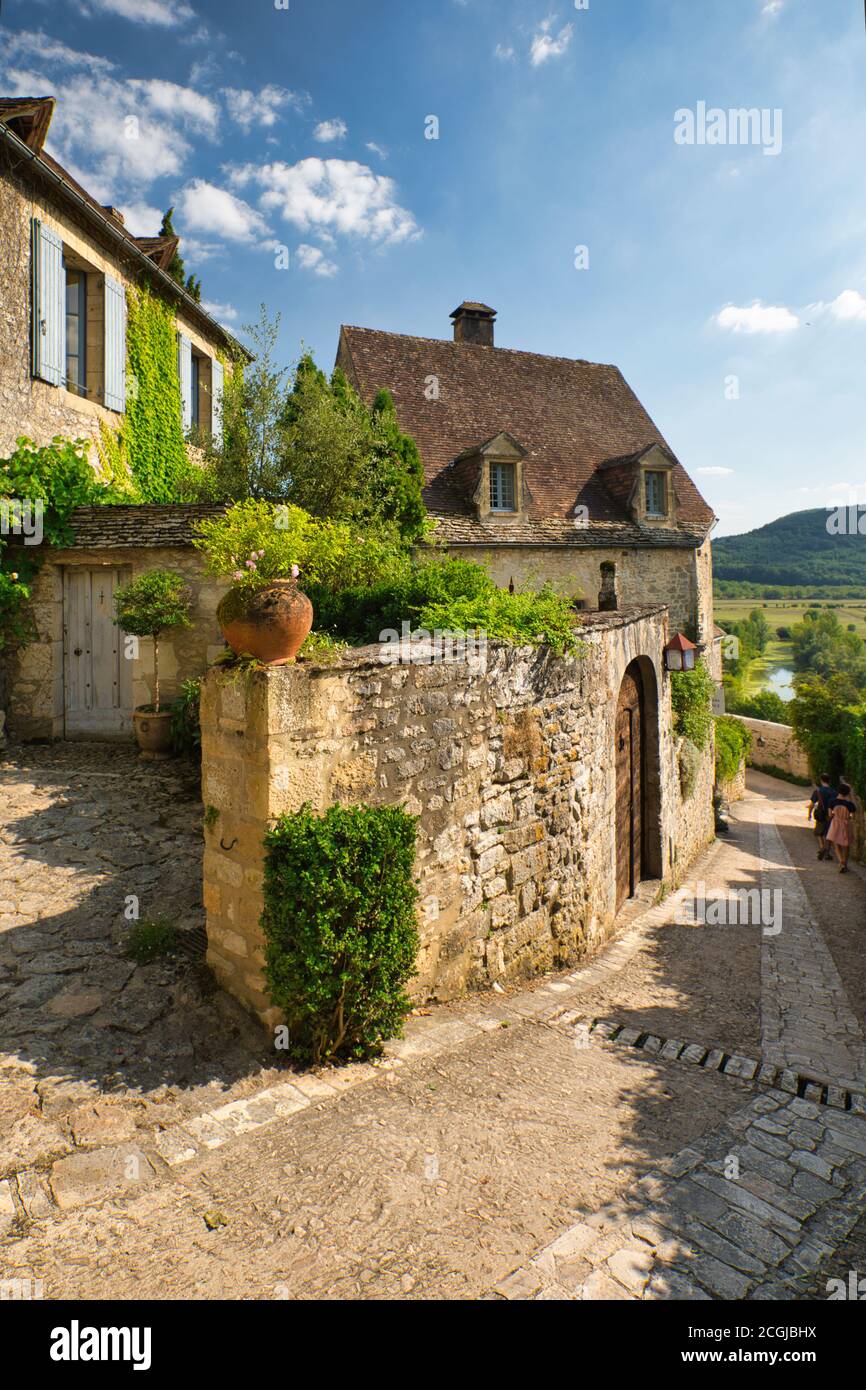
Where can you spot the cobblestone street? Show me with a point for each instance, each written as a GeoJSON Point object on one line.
{"type": "Point", "coordinates": [683, 1117]}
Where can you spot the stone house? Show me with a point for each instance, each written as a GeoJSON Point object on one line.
{"type": "Point", "coordinates": [68, 266]}
{"type": "Point", "coordinates": [545, 469]}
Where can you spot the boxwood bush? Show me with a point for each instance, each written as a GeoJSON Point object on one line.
{"type": "Point", "coordinates": [339, 923]}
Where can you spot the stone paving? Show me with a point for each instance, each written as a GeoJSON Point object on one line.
{"type": "Point", "coordinates": [754, 1208]}
{"type": "Point", "coordinates": [807, 1022]}
{"type": "Point", "coordinates": [613, 1162]}
{"type": "Point", "coordinates": [94, 1047]}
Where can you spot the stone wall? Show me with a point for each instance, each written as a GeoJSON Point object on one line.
{"type": "Point", "coordinates": [510, 770]}
{"type": "Point", "coordinates": [774, 746]}
{"type": "Point", "coordinates": [28, 406]}
{"type": "Point", "coordinates": [679, 578]}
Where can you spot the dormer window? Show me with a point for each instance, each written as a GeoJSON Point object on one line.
{"type": "Point", "coordinates": [503, 490]}
{"type": "Point", "coordinates": [656, 494]}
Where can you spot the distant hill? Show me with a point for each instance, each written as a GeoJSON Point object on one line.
{"type": "Point", "coordinates": [796, 549]}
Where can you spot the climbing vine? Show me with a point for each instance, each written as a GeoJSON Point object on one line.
{"type": "Point", "coordinates": [153, 430]}
{"type": "Point", "coordinates": [692, 699]}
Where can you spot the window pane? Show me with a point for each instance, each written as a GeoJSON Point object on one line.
{"type": "Point", "coordinates": [655, 494]}
{"type": "Point", "coordinates": [194, 390]}
{"type": "Point", "coordinates": [502, 487]}
{"type": "Point", "coordinates": [76, 291]}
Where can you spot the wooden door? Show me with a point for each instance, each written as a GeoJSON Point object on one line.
{"type": "Point", "coordinates": [97, 679]}
{"type": "Point", "coordinates": [629, 789]}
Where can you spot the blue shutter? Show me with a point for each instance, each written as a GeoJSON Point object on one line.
{"type": "Point", "coordinates": [184, 368]}
{"type": "Point", "coordinates": [115, 345]}
{"type": "Point", "coordinates": [217, 388]}
{"type": "Point", "coordinates": [49, 305]}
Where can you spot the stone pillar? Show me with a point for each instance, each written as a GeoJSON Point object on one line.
{"type": "Point", "coordinates": [265, 751]}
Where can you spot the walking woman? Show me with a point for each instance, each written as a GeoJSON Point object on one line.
{"type": "Point", "coordinates": [841, 826]}
{"type": "Point", "coordinates": [819, 807]}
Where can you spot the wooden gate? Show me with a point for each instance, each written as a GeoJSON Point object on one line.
{"type": "Point", "coordinates": [97, 680]}
{"type": "Point", "coordinates": [629, 788]}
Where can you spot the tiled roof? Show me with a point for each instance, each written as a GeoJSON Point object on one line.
{"type": "Point", "coordinates": [151, 527]}
{"type": "Point", "coordinates": [570, 416]}
{"type": "Point", "coordinates": [467, 530]}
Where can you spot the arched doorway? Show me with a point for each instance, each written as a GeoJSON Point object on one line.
{"type": "Point", "coordinates": [629, 813]}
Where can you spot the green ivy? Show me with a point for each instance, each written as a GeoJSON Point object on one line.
{"type": "Point", "coordinates": [153, 430]}
{"type": "Point", "coordinates": [692, 701]}
{"type": "Point", "coordinates": [339, 922]}
{"type": "Point", "coordinates": [733, 744]}
{"type": "Point", "coordinates": [59, 476]}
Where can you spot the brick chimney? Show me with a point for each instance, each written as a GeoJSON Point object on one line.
{"type": "Point", "coordinates": [473, 323]}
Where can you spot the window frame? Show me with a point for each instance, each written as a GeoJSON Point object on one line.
{"type": "Point", "coordinates": [656, 477]}
{"type": "Point", "coordinates": [500, 470]}
{"type": "Point", "coordinates": [77, 387]}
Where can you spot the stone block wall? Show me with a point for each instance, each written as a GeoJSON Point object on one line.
{"type": "Point", "coordinates": [509, 769]}
{"type": "Point", "coordinates": [774, 746]}
{"type": "Point", "coordinates": [681, 579]}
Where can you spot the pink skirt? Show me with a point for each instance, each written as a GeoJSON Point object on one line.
{"type": "Point", "coordinates": [839, 833]}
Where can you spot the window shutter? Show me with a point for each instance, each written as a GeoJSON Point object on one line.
{"type": "Point", "coordinates": [115, 345]}
{"type": "Point", "coordinates": [49, 305]}
{"type": "Point", "coordinates": [217, 387]}
{"type": "Point", "coordinates": [184, 368]}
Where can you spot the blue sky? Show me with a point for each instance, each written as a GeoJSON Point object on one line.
{"type": "Point", "coordinates": [729, 285]}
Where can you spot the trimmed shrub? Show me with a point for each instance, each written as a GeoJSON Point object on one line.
{"type": "Point", "coordinates": [340, 928]}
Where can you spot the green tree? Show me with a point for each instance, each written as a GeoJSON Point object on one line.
{"type": "Point", "coordinates": [148, 607]}
{"type": "Point", "coordinates": [176, 268]}
{"type": "Point", "coordinates": [250, 460]}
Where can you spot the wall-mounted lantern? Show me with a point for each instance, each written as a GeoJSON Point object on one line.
{"type": "Point", "coordinates": [680, 654]}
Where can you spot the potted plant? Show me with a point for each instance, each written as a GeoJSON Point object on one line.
{"type": "Point", "coordinates": [148, 607]}
{"type": "Point", "coordinates": [257, 546]}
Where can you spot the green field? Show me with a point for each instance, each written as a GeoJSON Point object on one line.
{"type": "Point", "coordinates": [787, 612]}
{"type": "Point", "coordinates": [770, 671]}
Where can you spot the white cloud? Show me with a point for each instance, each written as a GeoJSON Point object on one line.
{"type": "Point", "coordinates": [377, 149]}
{"type": "Point", "coordinates": [204, 207]}
{"type": "Point", "coordinates": [334, 195]}
{"type": "Point", "coordinates": [200, 251]}
{"type": "Point", "coordinates": [29, 44]}
{"type": "Point", "coordinates": [771, 8]}
{"type": "Point", "coordinates": [312, 258]}
{"type": "Point", "coordinates": [116, 137]}
{"type": "Point", "coordinates": [223, 313]}
{"type": "Point", "coordinates": [141, 219]}
{"type": "Point", "coordinates": [848, 307]}
{"type": "Point", "coordinates": [504, 52]}
{"type": "Point", "coordinates": [327, 132]}
{"type": "Point", "coordinates": [715, 472]}
{"type": "Point", "coordinates": [757, 318]}
{"type": "Point", "coordinates": [261, 108]}
{"type": "Point", "coordinates": [546, 46]}
{"type": "Point", "coordinates": [164, 13]}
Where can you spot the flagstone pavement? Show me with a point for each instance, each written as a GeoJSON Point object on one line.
{"type": "Point", "coordinates": [682, 1118]}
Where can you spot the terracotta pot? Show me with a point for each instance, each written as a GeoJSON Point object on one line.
{"type": "Point", "coordinates": [153, 733]}
{"type": "Point", "coordinates": [271, 624]}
